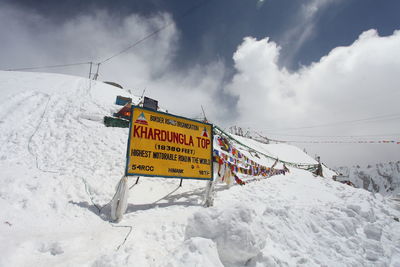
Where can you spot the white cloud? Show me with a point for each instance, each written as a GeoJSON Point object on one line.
{"type": "Point", "coordinates": [310, 9]}
{"type": "Point", "coordinates": [302, 26]}
{"type": "Point", "coordinates": [358, 81]}
{"type": "Point", "coordinates": [33, 40]}
{"type": "Point", "coordinates": [260, 3]}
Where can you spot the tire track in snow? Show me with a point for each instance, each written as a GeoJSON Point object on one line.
{"type": "Point", "coordinates": [9, 104]}
{"type": "Point", "coordinates": [27, 110]}
{"type": "Point", "coordinates": [31, 138]}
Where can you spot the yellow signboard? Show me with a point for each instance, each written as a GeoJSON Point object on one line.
{"type": "Point", "coordinates": [165, 145]}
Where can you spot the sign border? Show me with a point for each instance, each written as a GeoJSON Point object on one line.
{"type": "Point", "coordinates": [162, 176]}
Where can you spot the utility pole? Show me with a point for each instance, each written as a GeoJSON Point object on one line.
{"type": "Point", "coordinates": [97, 72]}
{"type": "Point", "coordinates": [90, 70]}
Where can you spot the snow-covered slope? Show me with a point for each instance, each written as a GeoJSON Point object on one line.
{"type": "Point", "coordinates": [383, 178]}
{"type": "Point", "coordinates": [59, 167]}
{"type": "Point", "coordinates": [283, 152]}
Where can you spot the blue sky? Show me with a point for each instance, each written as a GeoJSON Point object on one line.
{"type": "Point", "coordinates": [214, 28]}
{"type": "Point", "coordinates": [274, 66]}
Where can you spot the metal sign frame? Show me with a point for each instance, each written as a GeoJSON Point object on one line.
{"type": "Point", "coordinates": [150, 103]}
{"type": "Point", "coordinates": [127, 173]}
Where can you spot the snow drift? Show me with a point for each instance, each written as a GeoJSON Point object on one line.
{"type": "Point", "coordinates": [60, 166]}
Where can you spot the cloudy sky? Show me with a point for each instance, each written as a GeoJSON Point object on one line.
{"type": "Point", "coordinates": [310, 71]}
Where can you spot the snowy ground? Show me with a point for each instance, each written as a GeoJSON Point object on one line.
{"type": "Point", "coordinates": [59, 167]}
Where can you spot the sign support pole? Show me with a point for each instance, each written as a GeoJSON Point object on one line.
{"type": "Point", "coordinates": [209, 194]}
{"type": "Point", "coordinates": [119, 203]}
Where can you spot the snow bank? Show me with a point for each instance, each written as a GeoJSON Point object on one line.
{"type": "Point", "coordinates": [299, 220]}
{"type": "Point", "coordinates": [196, 251]}
{"type": "Point", "coordinates": [284, 152]}
{"type": "Point", "coordinates": [236, 230]}
{"type": "Point", "coordinates": [60, 165]}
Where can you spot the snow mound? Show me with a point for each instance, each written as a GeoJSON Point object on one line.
{"type": "Point", "coordinates": [318, 222]}
{"type": "Point", "coordinates": [196, 251]}
{"type": "Point", "coordinates": [235, 230]}
{"type": "Point", "coordinates": [60, 166]}
{"type": "Point", "coordinates": [283, 152]}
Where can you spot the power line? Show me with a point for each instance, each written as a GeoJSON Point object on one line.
{"type": "Point", "coordinates": [187, 12]}
{"type": "Point", "coordinates": [378, 118]}
{"type": "Point", "coordinates": [50, 66]}
{"type": "Point", "coordinates": [379, 140]}
{"type": "Point", "coordinates": [332, 141]}
{"type": "Point", "coordinates": [340, 142]}
{"type": "Point", "coordinates": [137, 42]}
{"type": "Point", "coordinates": [339, 136]}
